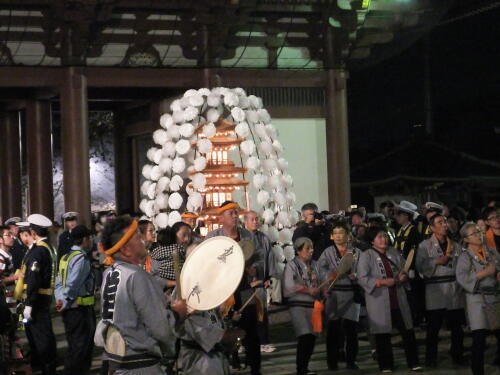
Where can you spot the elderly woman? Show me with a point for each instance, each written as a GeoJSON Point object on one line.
{"type": "Point", "coordinates": [380, 274]}
{"type": "Point", "coordinates": [478, 273]}
{"type": "Point", "coordinates": [300, 286]}
{"type": "Point", "coordinates": [343, 304]}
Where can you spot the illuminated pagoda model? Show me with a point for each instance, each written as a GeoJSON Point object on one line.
{"type": "Point", "coordinates": [223, 177]}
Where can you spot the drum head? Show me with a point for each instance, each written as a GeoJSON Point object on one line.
{"type": "Point", "coordinates": [211, 273]}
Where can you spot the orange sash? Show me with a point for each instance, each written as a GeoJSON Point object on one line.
{"type": "Point", "coordinates": [490, 239]}
{"type": "Point", "coordinates": [317, 316]}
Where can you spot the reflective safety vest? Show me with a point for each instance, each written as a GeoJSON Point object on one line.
{"type": "Point", "coordinates": [402, 237]}
{"type": "Point", "coordinates": [63, 274]}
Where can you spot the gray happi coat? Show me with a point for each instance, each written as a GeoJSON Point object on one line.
{"type": "Point", "coordinates": [371, 269]}
{"type": "Point", "coordinates": [441, 288]}
{"type": "Point", "coordinates": [201, 351]}
{"type": "Point", "coordinates": [467, 266]}
{"type": "Point", "coordinates": [340, 303]}
{"type": "Point", "coordinates": [295, 277]}
{"type": "Point", "coordinates": [134, 304]}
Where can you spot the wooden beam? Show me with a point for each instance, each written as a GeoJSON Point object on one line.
{"type": "Point", "coordinates": [164, 77]}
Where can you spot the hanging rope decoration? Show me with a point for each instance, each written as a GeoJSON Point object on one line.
{"type": "Point", "coordinates": [179, 157]}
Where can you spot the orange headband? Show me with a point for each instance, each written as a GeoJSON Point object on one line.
{"type": "Point", "coordinates": [189, 215]}
{"type": "Point", "coordinates": [229, 206]}
{"type": "Point", "coordinates": [117, 246]}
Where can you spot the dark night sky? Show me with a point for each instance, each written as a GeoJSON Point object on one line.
{"type": "Point", "coordinates": [387, 99]}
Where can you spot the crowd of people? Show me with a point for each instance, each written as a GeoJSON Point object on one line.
{"type": "Point", "coordinates": [401, 268]}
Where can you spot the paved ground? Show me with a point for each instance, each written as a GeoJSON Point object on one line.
{"type": "Point", "coordinates": [282, 361]}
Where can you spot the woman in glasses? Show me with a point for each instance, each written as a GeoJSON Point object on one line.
{"type": "Point", "coordinates": [478, 273]}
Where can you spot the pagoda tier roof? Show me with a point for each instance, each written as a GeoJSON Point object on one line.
{"type": "Point", "coordinates": [222, 169]}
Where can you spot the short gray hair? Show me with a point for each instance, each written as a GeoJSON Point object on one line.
{"type": "Point", "coordinates": [299, 243]}
{"type": "Point", "coordinates": [465, 228]}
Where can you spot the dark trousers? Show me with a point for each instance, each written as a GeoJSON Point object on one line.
{"type": "Point", "coordinates": [384, 347]}
{"type": "Point", "coordinates": [305, 349]}
{"type": "Point", "coordinates": [336, 330]}
{"type": "Point", "coordinates": [41, 337]}
{"type": "Point", "coordinates": [416, 299]}
{"type": "Point", "coordinates": [478, 348]}
{"type": "Point", "coordinates": [455, 320]}
{"type": "Point", "coordinates": [79, 324]}
{"type": "Point", "coordinates": [263, 328]}
{"type": "Point", "coordinates": [251, 342]}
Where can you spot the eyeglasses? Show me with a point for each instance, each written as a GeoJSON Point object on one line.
{"type": "Point", "coordinates": [8, 235]}
{"type": "Point", "coordinates": [474, 233]}
{"type": "Point", "coordinates": [494, 217]}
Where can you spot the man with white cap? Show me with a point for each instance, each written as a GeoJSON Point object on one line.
{"type": "Point", "coordinates": [18, 250]}
{"type": "Point", "coordinates": [70, 220]}
{"type": "Point", "coordinates": [39, 266]}
{"type": "Point", "coordinates": [407, 239]}
{"type": "Point", "coordinates": [429, 210]}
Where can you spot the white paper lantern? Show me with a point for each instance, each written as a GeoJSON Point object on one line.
{"type": "Point", "coordinates": [269, 165]}
{"type": "Point", "coordinates": [195, 200]}
{"type": "Point", "coordinates": [273, 234]}
{"type": "Point", "coordinates": [213, 115]}
{"type": "Point", "coordinates": [247, 147]}
{"type": "Point", "coordinates": [239, 91]}
{"type": "Point", "coordinates": [277, 146]}
{"type": "Point", "coordinates": [173, 132]}
{"type": "Point", "coordinates": [155, 173]}
{"type": "Point", "coordinates": [161, 220]}
{"type": "Point", "coordinates": [287, 181]}
{"type": "Point", "coordinates": [262, 197]}
{"type": "Point", "coordinates": [186, 130]}
{"type": "Point", "coordinates": [278, 253]}
{"type": "Point", "coordinates": [199, 181]}
{"type": "Point", "coordinates": [145, 187]}
{"type": "Point", "coordinates": [196, 100]}
{"type": "Point", "coordinates": [162, 184]}
{"type": "Point", "coordinates": [260, 129]}
{"type": "Point", "coordinates": [190, 113]}
{"type": "Point", "coordinates": [204, 145]}
{"type": "Point", "coordinates": [242, 130]}
{"type": "Point", "coordinates": [161, 201]}
{"type": "Point", "coordinates": [200, 163]}
{"type": "Point", "coordinates": [142, 205]}
{"type": "Point", "coordinates": [209, 130]}
{"type": "Point", "coordinates": [160, 136]}
{"type": "Point", "coordinates": [265, 148]}
{"type": "Point", "coordinates": [259, 181]}
{"type": "Point", "coordinates": [178, 165]}
{"type": "Point", "coordinates": [168, 149]}
{"type": "Point", "coordinates": [252, 116]}
{"type": "Point", "coordinates": [282, 218]}
{"type": "Point", "coordinates": [231, 99]}
{"type": "Point", "coordinates": [204, 91]}
{"type": "Point", "coordinates": [238, 114]}
{"type": "Point", "coordinates": [182, 146]}
{"type": "Point", "coordinates": [166, 120]}
{"type": "Point", "coordinates": [178, 117]}
{"type": "Point", "coordinates": [271, 131]}
{"type": "Point", "coordinates": [252, 163]}
{"type": "Point", "coordinates": [146, 171]}
{"type": "Point", "coordinates": [174, 217]}
{"type": "Point", "coordinates": [158, 156]}
{"type": "Point", "coordinates": [279, 198]}
{"type": "Point", "coordinates": [176, 183]}
{"type": "Point", "coordinates": [176, 105]}
{"type": "Point", "coordinates": [213, 100]}
{"type": "Point", "coordinates": [282, 163]}
{"type": "Point", "coordinates": [175, 201]}
{"type": "Point", "coordinates": [291, 198]}
{"type": "Point", "coordinates": [274, 181]}
{"type": "Point", "coordinates": [149, 209]}
{"type": "Point", "coordinates": [152, 191]}
{"type": "Point", "coordinates": [264, 115]}
{"type": "Point", "coordinates": [255, 101]}
{"type": "Point", "coordinates": [293, 217]}
{"type": "Point", "coordinates": [268, 216]}
{"type": "Point", "coordinates": [289, 253]}
{"type": "Point", "coordinates": [165, 165]}
{"type": "Point", "coordinates": [150, 154]}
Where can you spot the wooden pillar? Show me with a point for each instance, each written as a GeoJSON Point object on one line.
{"type": "Point", "coordinates": [39, 156]}
{"type": "Point", "coordinates": [75, 143]}
{"type": "Point", "coordinates": [10, 159]}
{"type": "Point", "coordinates": [124, 193]}
{"type": "Point", "coordinates": [337, 132]}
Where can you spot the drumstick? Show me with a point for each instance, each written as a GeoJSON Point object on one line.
{"type": "Point", "coordinates": [177, 272]}
{"type": "Point", "coordinates": [247, 302]}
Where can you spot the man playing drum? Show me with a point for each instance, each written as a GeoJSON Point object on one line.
{"type": "Point", "coordinates": [136, 327]}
